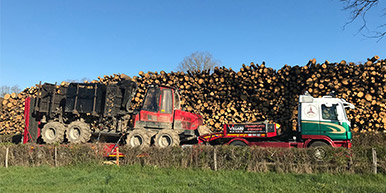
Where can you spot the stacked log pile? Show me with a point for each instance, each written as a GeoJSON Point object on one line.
{"type": "Point", "coordinates": [12, 113]}
{"type": "Point", "coordinates": [254, 93]}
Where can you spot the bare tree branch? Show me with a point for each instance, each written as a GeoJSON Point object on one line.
{"type": "Point", "coordinates": [198, 61]}
{"type": "Point", "coordinates": [359, 9]}
{"type": "Point", "coordinates": [8, 90]}
{"type": "Point", "coordinates": [4, 90]}
{"type": "Point", "coordinates": [15, 89]}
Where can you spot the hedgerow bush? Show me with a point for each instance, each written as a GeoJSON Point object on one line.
{"type": "Point", "coordinates": [255, 159]}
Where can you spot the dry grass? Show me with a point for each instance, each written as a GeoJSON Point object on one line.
{"type": "Point", "coordinates": [253, 159]}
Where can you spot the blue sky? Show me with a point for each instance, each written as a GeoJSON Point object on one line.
{"type": "Point", "coordinates": [54, 41]}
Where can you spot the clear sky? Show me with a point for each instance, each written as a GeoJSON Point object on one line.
{"type": "Point", "coordinates": [58, 40]}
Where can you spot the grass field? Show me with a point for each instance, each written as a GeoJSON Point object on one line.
{"type": "Point", "coordinates": [98, 178]}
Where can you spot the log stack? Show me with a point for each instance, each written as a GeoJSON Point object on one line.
{"type": "Point", "coordinates": [12, 113]}
{"type": "Point", "coordinates": [255, 92]}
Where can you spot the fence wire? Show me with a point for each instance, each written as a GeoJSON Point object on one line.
{"type": "Point", "coordinates": [253, 159]}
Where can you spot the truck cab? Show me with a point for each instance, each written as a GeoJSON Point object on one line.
{"type": "Point", "coordinates": [324, 116]}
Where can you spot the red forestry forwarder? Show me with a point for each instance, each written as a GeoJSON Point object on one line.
{"type": "Point", "coordinates": [83, 112]}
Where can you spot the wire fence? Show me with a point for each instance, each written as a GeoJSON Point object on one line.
{"type": "Point", "coordinates": [364, 160]}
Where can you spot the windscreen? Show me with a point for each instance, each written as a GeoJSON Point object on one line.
{"type": "Point", "coordinates": [329, 113]}
{"type": "Point", "coordinates": [176, 100]}
{"type": "Point", "coordinates": [152, 100]}
{"type": "Point", "coordinates": [167, 105]}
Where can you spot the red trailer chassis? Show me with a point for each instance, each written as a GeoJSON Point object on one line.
{"type": "Point", "coordinates": [251, 136]}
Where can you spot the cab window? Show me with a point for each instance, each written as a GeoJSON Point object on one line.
{"type": "Point", "coordinates": [152, 100]}
{"type": "Point", "coordinates": [167, 101]}
{"type": "Point", "coordinates": [176, 100]}
{"type": "Point", "coordinates": [329, 113]}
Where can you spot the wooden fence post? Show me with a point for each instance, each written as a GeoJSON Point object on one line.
{"type": "Point", "coordinates": [117, 156]}
{"type": "Point", "coordinates": [374, 153]}
{"type": "Point", "coordinates": [56, 156]}
{"type": "Point", "coordinates": [6, 157]}
{"type": "Point", "coordinates": [215, 158]}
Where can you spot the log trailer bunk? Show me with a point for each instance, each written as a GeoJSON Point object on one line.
{"type": "Point", "coordinates": [75, 113]}
{"type": "Point", "coordinates": [321, 122]}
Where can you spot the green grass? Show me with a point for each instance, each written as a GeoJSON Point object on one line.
{"type": "Point", "coordinates": [95, 178]}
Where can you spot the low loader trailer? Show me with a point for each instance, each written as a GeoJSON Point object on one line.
{"type": "Point", "coordinates": [322, 122]}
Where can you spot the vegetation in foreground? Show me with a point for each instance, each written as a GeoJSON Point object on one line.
{"type": "Point", "coordinates": [98, 178]}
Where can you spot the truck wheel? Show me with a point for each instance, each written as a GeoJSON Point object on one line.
{"type": "Point", "coordinates": [78, 132]}
{"type": "Point", "coordinates": [319, 150]}
{"type": "Point", "coordinates": [238, 143]}
{"type": "Point", "coordinates": [138, 138]}
{"type": "Point", "coordinates": [53, 132]}
{"type": "Point", "coordinates": [166, 138]}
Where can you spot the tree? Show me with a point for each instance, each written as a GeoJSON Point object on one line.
{"type": "Point", "coordinates": [359, 9]}
{"type": "Point", "coordinates": [15, 89]}
{"type": "Point", "coordinates": [4, 90]}
{"type": "Point", "coordinates": [198, 61]}
{"type": "Point", "coordinates": [8, 90]}
{"type": "Point", "coordinates": [84, 79]}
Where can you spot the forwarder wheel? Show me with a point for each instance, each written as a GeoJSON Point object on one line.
{"type": "Point", "coordinates": [319, 150]}
{"type": "Point", "coordinates": [53, 132]}
{"type": "Point", "coordinates": [238, 143]}
{"type": "Point", "coordinates": [166, 138]}
{"type": "Point", "coordinates": [138, 138]}
{"type": "Point", "coordinates": [78, 132]}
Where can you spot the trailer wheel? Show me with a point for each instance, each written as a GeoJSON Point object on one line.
{"type": "Point", "coordinates": [78, 132]}
{"type": "Point", "coordinates": [138, 138]}
{"type": "Point", "coordinates": [319, 152]}
{"type": "Point", "coordinates": [53, 132]}
{"type": "Point", "coordinates": [166, 138]}
{"type": "Point", "coordinates": [238, 143]}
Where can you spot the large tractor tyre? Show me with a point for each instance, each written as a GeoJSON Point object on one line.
{"type": "Point", "coordinates": [166, 138]}
{"type": "Point", "coordinates": [238, 143]}
{"type": "Point", "coordinates": [138, 138]}
{"type": "Point", "coordinates": [53, 132]}
{"type": "Point", "coordinates": [320, 148]}
{"type": "Point", "coordinates": [78, 132]}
